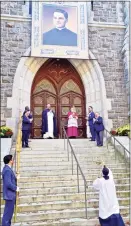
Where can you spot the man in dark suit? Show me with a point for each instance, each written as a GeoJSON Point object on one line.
{"type": "Point", "coordinates": [91, 118]}
{"type": "Point", "coordinates": [9, 190]}
{"type": "Point", "coordinates": [60, 35]}
{"type": "Point", "coordinates": [99, 128]}
{"type": "Point", "coordinates": [30, 116]}
{"type": "Point", "coordinates": [26, 127]}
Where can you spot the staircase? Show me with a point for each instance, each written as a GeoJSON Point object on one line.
{"type": "Point", "coordinates": [48, 190]}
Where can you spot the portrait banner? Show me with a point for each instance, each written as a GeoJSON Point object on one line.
{"type": "Point", "coordinates": [59, 30]}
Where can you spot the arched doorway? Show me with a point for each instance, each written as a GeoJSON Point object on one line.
{"type": "Point", "coordinates": [57, 83]}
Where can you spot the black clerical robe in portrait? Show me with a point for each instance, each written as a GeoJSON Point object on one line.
{"type": "Point", "coordinates": [58, 37]}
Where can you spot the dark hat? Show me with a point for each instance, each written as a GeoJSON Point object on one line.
{"type": "Point", "coordinates": [105, 172]}
{"type": "Point", "coordinates": [27, 108]}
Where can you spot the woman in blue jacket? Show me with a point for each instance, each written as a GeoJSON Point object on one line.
{"type": "Point", "coordinates": [99, 129]}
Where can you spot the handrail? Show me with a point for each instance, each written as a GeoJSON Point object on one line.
{"type": "Point", "coordinates": [17, 162]}
{"type": "Point", "coordinates": [116, 140]}
{"type": "Point", "coordinates": [78, 166]}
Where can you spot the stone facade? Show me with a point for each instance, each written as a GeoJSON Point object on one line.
{"type": "Point", "coordinates": [125, 52]}
{"type": "Point", "coordinates": [106, 38]}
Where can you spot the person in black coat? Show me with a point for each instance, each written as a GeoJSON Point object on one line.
{"type": "Point", "coordinates": [30, 117]}
{"type": "Point", "coordinates": [26, 124]}
{"type": "Point", "coordinates": [99, 129]}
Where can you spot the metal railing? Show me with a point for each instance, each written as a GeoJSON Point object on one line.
{"type": "Point", "coordinates": [17, 162]}
{"type": "Point", "coordinates": [115, 140]}
{"type": "Point", "coordinates": [78, 166]}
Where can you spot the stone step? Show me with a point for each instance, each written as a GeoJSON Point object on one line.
{"type": "Point", "coordinates": [64, 214]}
{"type": "Point", "coordinates": [61, 205]}
{"type": "Point", "coordinates": [64, 155]}
{"type": "Point", "coordinates": [68, 177]}
{"type": "Point", "coordinates": [61, 183]}
{"type": "Point", "coordinates": [66, 222]}
{"type": "Point", "coordinates": [66, 163]}
{"type": "Point", "coordinates": [66, 173]}
{"type": "Point", "coordinates": [84, 167]}
{"type": "Point", "coordinates": [62, 190]}
{"type": "Point", "coordinates": [50, 158]}
{"type": "Point", "coordinates": [64, 151]}
{"type": "Point", "coordinates": [63, 170]}
{"type": "Point", "coordinates": [65, 197]}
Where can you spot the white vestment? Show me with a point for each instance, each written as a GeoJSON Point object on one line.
{"type": "Point", "coordinates": [72, 122]}
{"type": "Point", "coordinates": [108, 203]}
{"type": "Point", "coordinates": [50, 117]}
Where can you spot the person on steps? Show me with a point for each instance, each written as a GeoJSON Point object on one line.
{"type": "Point", "coordinates": [109, 213]}
{"type": "Point", "coordinates": [72, 128]}
{"type": "Point", "coordinates": [26, 124]}
{"type": "Point", "coordinates": [9, 190]}
{"type": "Point", "coordinates": [91, 118]}
{"type": "Point", "coordinates": [99, 129]}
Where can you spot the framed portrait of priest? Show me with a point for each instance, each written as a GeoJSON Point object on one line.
{"type": "Point", "coordinates": [60, 30]}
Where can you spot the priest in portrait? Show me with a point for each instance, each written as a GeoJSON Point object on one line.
{"type": "Point", "coordinates": [60, 35]}
{"type": "Point", "coordinates": [49, 130]}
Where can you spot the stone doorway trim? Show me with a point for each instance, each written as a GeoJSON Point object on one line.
{"type": "Point", "coordinates": [91, 76]}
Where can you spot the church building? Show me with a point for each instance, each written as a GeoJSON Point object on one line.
{"type": "Point", "coordinates": [100, 80]}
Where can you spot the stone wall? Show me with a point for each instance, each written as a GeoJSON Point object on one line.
{"type": "Point", "coordinates": [15, 38]}
{"type": "Point", "coordinates": [105, 43]}
{"type": "Point", "coordinates": [105, 11]}
{"type": "Point", "coordinates": [12, 7]}
{"type": "Point", "coordinates": [125, 52]}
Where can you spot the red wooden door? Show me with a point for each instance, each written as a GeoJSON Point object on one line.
{"type": "Point", "coordinates": [40, 98]}
{"type": "Point", "coordinates": [58, 84]}
{"type": "Point", "coordinates": [71, 95]}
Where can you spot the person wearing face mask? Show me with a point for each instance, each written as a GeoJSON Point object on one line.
{"type": "Point", "coordinates": [60, 35]}
{"type": "Point", "coordinates": [109, 213]}
{"type": "Point", "coordinates": [26, 124]}
{"type": "Point", "coordinates": [99, 129]}
{"type": "Point", "coordinates": [72, 130]}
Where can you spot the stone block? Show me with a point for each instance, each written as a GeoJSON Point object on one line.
{"type": "Point", "coordinates": [8, 113]}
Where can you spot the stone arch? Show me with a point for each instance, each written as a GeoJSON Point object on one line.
{"type": "Point", "coordinates": [91, 76]}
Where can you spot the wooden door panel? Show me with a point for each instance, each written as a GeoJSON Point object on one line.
{"type": "Point", "coordinates": [38, 110]}
{"type": "Point", "coordinates": [39, 104]}
{"type": "Point", "coordinates": [57, 83]}
{"type": "Point", "coordinates": [37, 100]}
{"type": "Point", "coordinates": [37, 133]}
{"type": "Point", "coordinates": [66, 102]}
